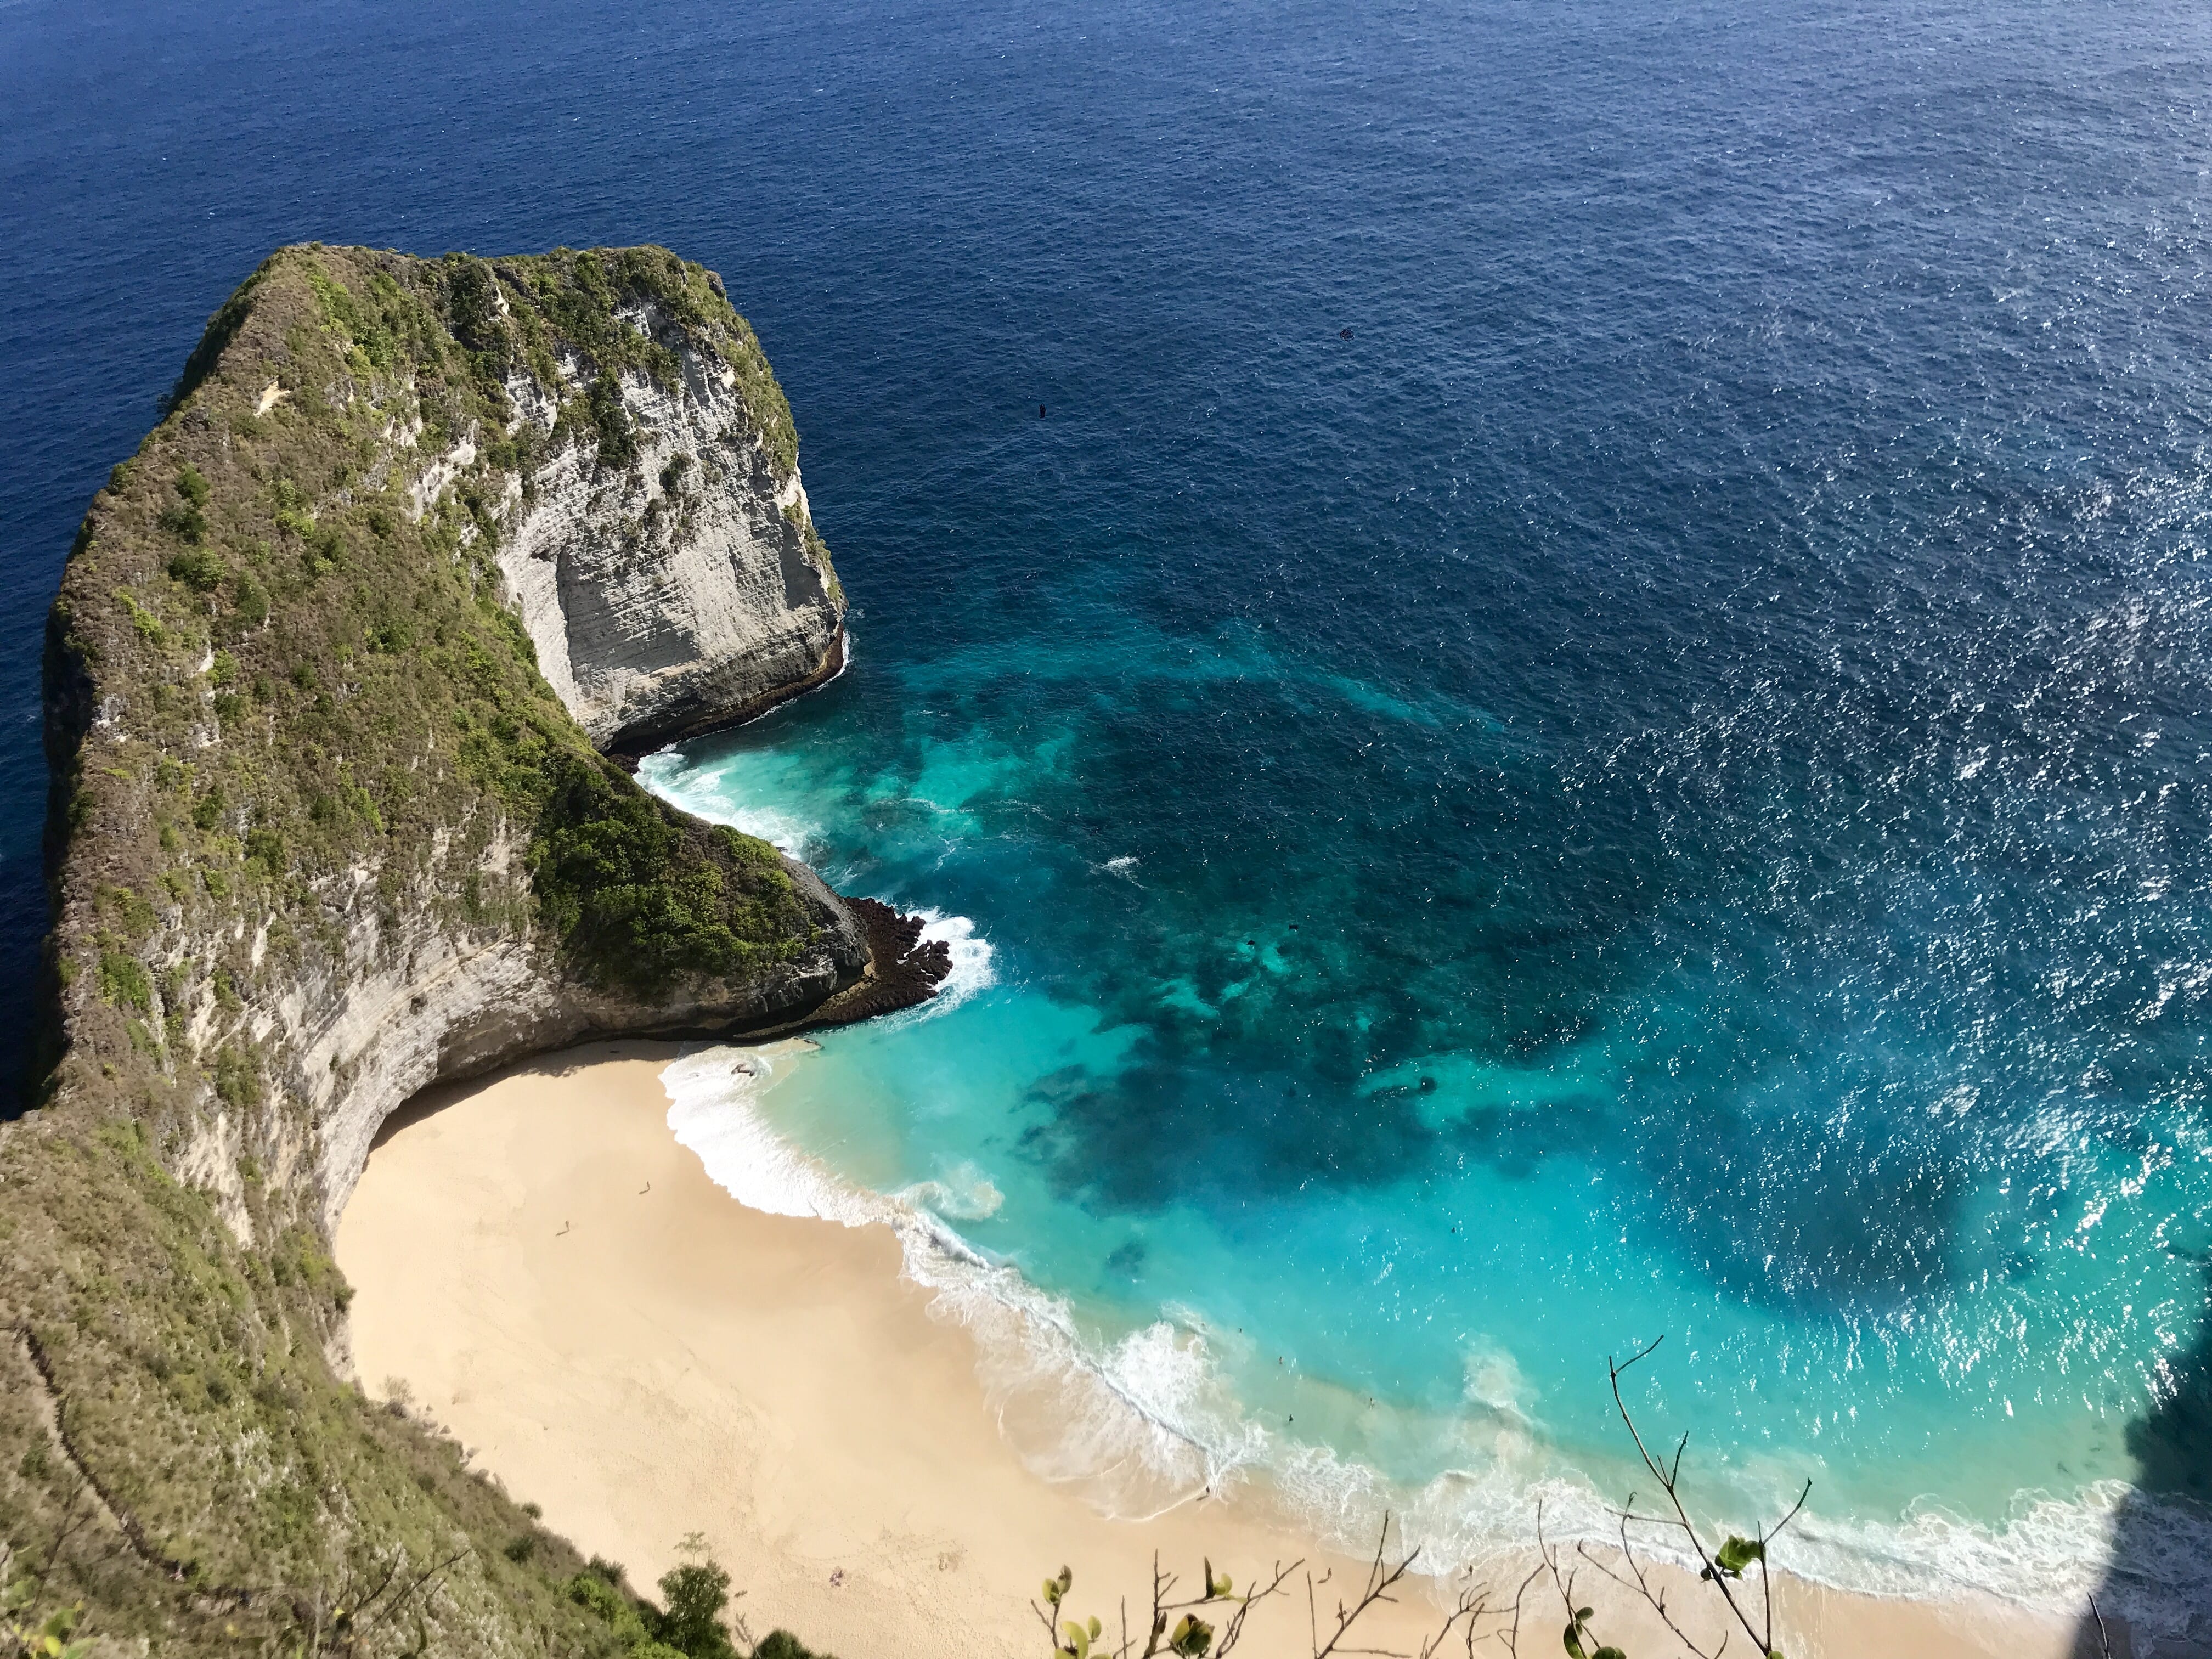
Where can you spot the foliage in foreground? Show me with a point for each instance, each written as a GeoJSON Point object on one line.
{"type": "Point", "coordinates": [1211, 1624]}
{"type": "Point", "coordinates": [689, 1623]}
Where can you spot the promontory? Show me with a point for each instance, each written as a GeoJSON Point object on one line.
{"type": "Point", "coordinates": [342, 668]}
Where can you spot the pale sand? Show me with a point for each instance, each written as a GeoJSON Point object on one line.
{"type": "Point", "coordinates": [647, 1363]}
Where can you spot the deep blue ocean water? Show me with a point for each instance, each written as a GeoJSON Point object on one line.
{"type": "Point", "coordinates": [1660, 784]}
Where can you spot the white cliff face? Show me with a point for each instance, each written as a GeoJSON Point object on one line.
{"type": "Point", "coordinates": [682, 594]}
{"type": "Point", "coordinates": [684, 591]}
{"type": "Point", "coordinates": [396, 996]}
{"type": "Point", "coordinates": [413, 1004]}
{"type": "Point", "coordinates": [679, 594]}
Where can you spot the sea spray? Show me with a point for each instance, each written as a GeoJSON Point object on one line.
{"type": "Point", "coordinates": [670, 775]}
{"type": "Point", "coordinates": [974, 968]}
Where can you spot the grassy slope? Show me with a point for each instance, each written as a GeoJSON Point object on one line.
{"type": "Point", "coordinates": [277, 695]}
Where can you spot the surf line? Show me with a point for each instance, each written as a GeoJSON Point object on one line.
{"type": "Point", "coordinates": [1040, 1308]}
{"type": "Point", "coordinates": [924, 1237]}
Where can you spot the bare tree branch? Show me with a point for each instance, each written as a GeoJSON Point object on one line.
{"type": "Point", "coordinates": [1381, 1581]}
{"type": "Point", "coordinates": [1669, 1479]}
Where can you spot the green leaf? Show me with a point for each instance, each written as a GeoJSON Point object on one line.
{"type": "Point", "coordinates": [1191, 1637]}
{"type": "Point", "coordinates": [1582, 1614]}
{"type": "Point", "coordinates": [1573, 1640]}
{"type": "Point", "coordinates": [1608, 1653]}
{"type": "Point", "coordinates": [1052, 1591]}
{"type": "Point", "coordinates": [1737, 1554]}
{"type": "Point", "coordinates": [1094, 1626]}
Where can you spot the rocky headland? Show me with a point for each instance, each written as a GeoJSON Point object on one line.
{"type": "Point", "coordinates": [339, 679]}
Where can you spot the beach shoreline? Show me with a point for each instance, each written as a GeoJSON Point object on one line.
{"type": "Point", "coordinates": [542, 1269]}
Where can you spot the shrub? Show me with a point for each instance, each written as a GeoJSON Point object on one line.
{"type": "Point", "coordinates": [249, 600]}
{"type": "Point", "coordinates": [590, 1590]}
{"type": "Point", "coordinates": [265, 846]}
{"type": "Point", "coordinates": [618, 435]}
{"type": "Point", "coordinates": [237, 1079]}
{"type": "Point", "coordinates": [697, 1593]}
{"type": "Point", "coordinates": [200, 569]}
{"type": "Point", "coordinates": [124, 981]}
{"type": "Point", "coordinates": [639, 895]}
{"type": "Point", "coordinates": [187, 519]}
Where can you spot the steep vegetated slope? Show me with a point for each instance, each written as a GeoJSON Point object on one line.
{"type": "Point", "coordinates": [329, 676]}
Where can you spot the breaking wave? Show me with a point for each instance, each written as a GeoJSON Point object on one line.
{"type": "Point", "coordinates": [1149, 1420]}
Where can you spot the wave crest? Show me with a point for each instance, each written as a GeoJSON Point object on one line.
{"type": "Point", "coordinates": [1142, 1424]}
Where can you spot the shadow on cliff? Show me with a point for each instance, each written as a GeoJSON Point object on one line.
{"type": "Point", "coordinates": [2162, 1561]}
{"type": "Point", "coordinates": [430, 1100]}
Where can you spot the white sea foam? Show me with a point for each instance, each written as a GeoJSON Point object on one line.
{"type": "Point", "coordinates": [1109, 1420]}
{"type": "Point", "coordinates": [668, 775]}
{"type": "Point", "coordinates": [788, 833]}
{"type": "Point", "coordinates": [1494, 1380]}
{"type": "Point", "coordinates": [972, 965]}
{"type": "Point", "coordinates": [964, 1194]}
{"type": "Point", "coordinates": [1148, 1421]}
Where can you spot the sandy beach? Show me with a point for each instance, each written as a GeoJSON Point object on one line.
{"type": "Point", "coordinates": [551, 1276]}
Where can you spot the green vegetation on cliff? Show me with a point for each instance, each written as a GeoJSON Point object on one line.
{"type": "Point", "coordinates": [294, 727]}
{"type": "Point", "coordinates": [304, 667]}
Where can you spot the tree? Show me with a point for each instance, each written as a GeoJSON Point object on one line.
{"type": "Point", "coordinates": [695, 1594]}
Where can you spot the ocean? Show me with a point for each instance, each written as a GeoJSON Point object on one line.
{"type": "Point", "coordinates": [1549, 664]}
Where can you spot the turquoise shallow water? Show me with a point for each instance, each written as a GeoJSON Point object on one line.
{"type": "Point", "coordinates": [1243, 1108]}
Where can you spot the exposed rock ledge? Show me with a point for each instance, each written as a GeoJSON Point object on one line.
{"type": "Point", "coordinates": [688, 591]}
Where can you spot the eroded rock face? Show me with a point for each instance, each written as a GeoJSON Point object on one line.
{"type": "Point", "coordinates": [408, 1006]}
{"type": "Point", "coordinates": [311, 780]}
{"type": "Point", "coordinates": [686, 593]}
{"type": "Point", "coordinates": [329, 682]}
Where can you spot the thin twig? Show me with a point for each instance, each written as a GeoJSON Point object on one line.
{"type": "Point", "coordinates": [1657, 1599]}
{"type": "Point", "coordinates": [1669, 1481]}
{"type": "Point", "coordinates": [1380, 1583]}
{"type": "Point", "coordinates": [1232, 1631]}
{"type": "Point", "coordinates": [422, 1578]}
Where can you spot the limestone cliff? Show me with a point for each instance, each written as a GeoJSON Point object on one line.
{"type": "Point", "coordinates": [329, 678]}
{"type": "Point", "coordinates": [329, 829]}
{"type": "Point", "coordinates": [687, 591]}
